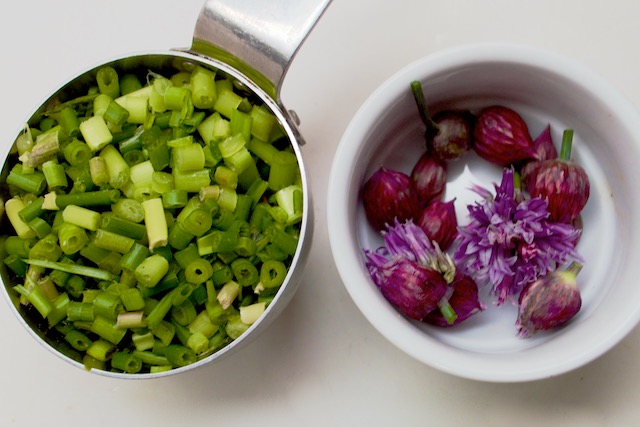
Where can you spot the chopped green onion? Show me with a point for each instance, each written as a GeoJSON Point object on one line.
{"type": "Point", "coordinates": [77, 340]}
{"type": "Point", "coordinates": [198, 271]}
{"type": "Point", "coordinates": [126, 362]}
{"type": "Point", "coordinates": [89, 198]}
{"type": "Point", "coordinates": [112, 241]}
{"type": "Point", "coordinates": [69, 121]}
{"type": "Point", "coordinates": [81, 270]}
{"type": "Point", "coordinates": [96, 133]}
{"type": "Point", "coordinates": [151, 270]}
{"type": "Point", "coordinates": [33, 182]}
{"type": "Point", "coordinates": [179, 355]}
{"type": "Point", "coordinates": [101, 350]}
{"type": "Point", "coordinates": [71, 238]}
{"type": "Point", "coordinates": [82, 217]}
{"type": "Point", "coordinates": [117, 167]}
{"type": "Point", "coordinates": [169, 220]}
{"type": "Point", "coordinates": [129, 209]}
{"type": "Point", "coordinates": [77, 153]}
{"type": "Point", "coordinates": [108, 82]}
{"type": "Point", "coordinates": [155, 222]}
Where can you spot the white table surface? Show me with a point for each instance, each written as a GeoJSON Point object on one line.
{"type": "Point", "coordinates": [320, 363]}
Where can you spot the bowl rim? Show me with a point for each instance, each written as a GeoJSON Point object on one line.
{"type": "Point", "coordinates": [483, 367]}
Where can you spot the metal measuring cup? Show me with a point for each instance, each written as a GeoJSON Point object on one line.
{"type": "Point", "coordinates": [253, 42]}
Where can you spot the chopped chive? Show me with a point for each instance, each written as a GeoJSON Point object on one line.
{"type": "Point", "coordinates": [161, 182]}
{"type": "Point", "coordinates": [96, 133]}
{"type": "Point", "coordinates": [33, 182]}
{"type": "Point", "coordinates": [69, 121]}
{"type": "Point", "coordinates": [244, 272]}
{"type": "Point", "coordinates": [117, 167]}
{"type": "Point", "coordinates": [184, 313]}
{"type": "Point", "coordinates": [116, 114]}
{"type": "Point", "coordinates": [150, 358]}
{"type": "Point", "coordinates": [188, 158]}
{"type": "Point", "coordinates": [37, 298]}
{"type": "Point", "coordinates": [90, 198]}
{"type": "Point", "coordinates": [12, 208]}
{"type": "Point", "coordinates": [136, 106]}
{"type": "Point", "coordinates": [179, 355]}
{"type": "Point", "coordinates": [112, 241]}
{"type": "Point", "coordinates": [228, 294]}
{"type": "Point", "coordinates": [198, 271]}
{"type": "Point", "coordinates": [46, 248]}
{"type": "Point", "coordinates": [110, 221]}
{"type": "Point", "coordinates": [81, 270]}
{"type": "Point", "coordinates": [191, 181]}
{"type": "Point", "coordinates": [107, 305]}
{"type": "Point", "coordinates": [80, 311]}
{"type": "Point", "coordinates": [129, 83]}
{"type": "Point", "coordinates": [54, 174]}
{"type": "Point", "coordinates": [107, 330]}
{"type": "Point", "coordinates": [272, 273]}
{"type": "Point", "coordinates": [129, 209]}
{"type": "Point", "coordinates": [47, 146]}
{"type": "Point", "coordinates": [71, 238]}
{"type": "Point", "coordinates": [77, 340]}
{"type": "Point", "coordinates": [131, 320]}
{"type": "Point", "coordinates": [100, 350]}
{"type": "Point", "coordinates": [126, 362]}
{"type": "Point", "coordinates": [142, 341]}
{"type": "Point", "coordinates": [132, 299]}
{"type": "Point", "coordinates": [151, 270]}
{"type": "Point", "coordinates": [249, 314]}
{"type": "Point", "coordinates": [227, 102]}
{"type": "Point", "coordinates": [164, 331]}
{"type": "Point", "coordinates": [16, 264]}
{"type": "Point", "coordinates": [32, 210]}
{"type": "Point", "coordinates": [108, 82]}
{"type": "Point", "coordinates": [155, 222]}
{"type": "Point", "coordinates": [203, 87]}
{"type": "Point", "coordinates": [283, 169]}
{"type": "Point", "coordinates": [77, 153]}
{"type": "Point", "coordinates": [82, 217]}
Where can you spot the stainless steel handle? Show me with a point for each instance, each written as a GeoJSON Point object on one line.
{"type": "Point", "coordinates": [259, 38]}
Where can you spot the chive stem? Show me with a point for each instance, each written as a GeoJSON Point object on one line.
{"type": "Point", "coordinates": [565, 148]}
{"type": "Point", "coordinates": [81, 270]}
{"type": "Point", "coordinates": [431, 127]}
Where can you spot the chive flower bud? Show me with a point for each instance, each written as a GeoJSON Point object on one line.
{"type": "Point", "coordinates": [563, 183]}
{"type": "Point", "coordinates": [439, 222]}
{"type": "Point", "coordinates": [389, 195]}
{"type": "Point", "coordinates": [412, 274]}
{"type": "Point", "coordinates": [549, 302]}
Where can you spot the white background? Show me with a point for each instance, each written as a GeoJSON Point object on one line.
{"type": "Point", "coordinates": [320, 363]}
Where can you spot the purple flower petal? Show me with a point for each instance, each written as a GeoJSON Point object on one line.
{"type": "Point", "coordinates": [511, 242]}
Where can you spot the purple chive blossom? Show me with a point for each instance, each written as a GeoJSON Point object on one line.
{"type": "Point", "coordinates": [510, 242]}
{"type": "Point", "coordinates": [411, 273]}
{"type": "Point", "coordinates": [406, 241]}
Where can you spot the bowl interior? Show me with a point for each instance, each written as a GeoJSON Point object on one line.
{"type": "Point", "coordinates": [544, 89]}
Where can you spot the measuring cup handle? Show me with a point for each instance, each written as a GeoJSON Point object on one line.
{"type": "Point", "coordinates": [257, 37]}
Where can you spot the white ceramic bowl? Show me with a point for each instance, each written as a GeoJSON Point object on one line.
{"type": "Point", "coordinates": [544, 88]}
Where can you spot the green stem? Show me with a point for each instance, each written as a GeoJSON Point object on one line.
{"type": "Point", "coordinates": [575, 268]}
{"type": "Point", "coordinates": [81, 270]}
{"type": "Point", "coordinates": [565, 149]}
{"type": "Point", "coordinates": [447, 311]}
{"type": "Point", "coordinates": [92, 198]}
{"type": "Point", "coordinates": [418, 95]}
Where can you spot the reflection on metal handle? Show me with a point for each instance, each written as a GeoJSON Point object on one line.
{"type": "Point", "coordinates": [257, 37]}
